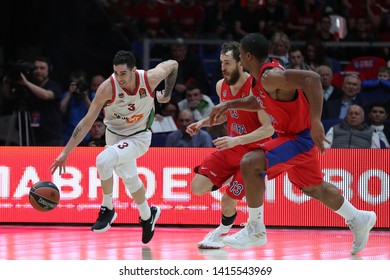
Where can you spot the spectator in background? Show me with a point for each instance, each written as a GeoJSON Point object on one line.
{"type": "Point", "coordinates": [187, 19]}
{"type": "Point", "coordinates": [330, 92]}
{"type": "Point", "coordinates": [75, 103]}
{"type": "Point", "coordinates": [220, 20]}
{"type": "Point", "coordinates": [377, 116]}
{"type": "Point", "coordinates": [42, 100]}
{"type": "Point", "coordinates": [376, 90]}
{"type": "Point", "coordinates": [191, 69]}
{"type": "Point", "coordinates": [250, 19]}
{"type": "Point", "coordinates": [315, 54]}
{"type": "Point", "coordinates": [360, 33]}
{"type": "Point", "coordinates": [180, 138]}
{"type": "Point", "coordinates": [96, 80]}
{"type": "Point", "coordinates": [337, 108]}
{"type": "Point", "coordinates": [296, 60]}
{"type": "Point", "coordinates": [352, 132]}
{"type": "Point", "coordinates": [279, 46]}
{"type": "Point", "coordinates": [171, 108]}
{"type": "Point", "coordinates": [302, 19]}
{"type": "Point", "coordinates": [200, 104]}
{"type": "Point", "coordinates": [97, 133]}
{"type": "Point", "coordinates": [274, 17]}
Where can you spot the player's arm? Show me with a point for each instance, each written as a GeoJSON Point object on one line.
{"type": "Point", "coordinates": [286, 82]}
{"type": "Point", "coordinates": [103, 94]}
{"type": "Point", "coordinates": [264, 131]}
{"type": "Point", "coordinates": [248, 103]}
{"type": "Point", "coordinates": [166, 70]}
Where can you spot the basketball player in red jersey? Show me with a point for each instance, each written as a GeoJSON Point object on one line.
{"type": "Point", "coordinates": [293, 100]}
{"type": "Point", "coordinates": [220, 166]}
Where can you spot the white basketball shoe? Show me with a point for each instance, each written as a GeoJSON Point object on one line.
{"type": "Point", "coordinates": [361, 225]}
{"type": "Point", "coordinates": [213, 240]}
{"type": "Point", "coordinates": [253, 234]}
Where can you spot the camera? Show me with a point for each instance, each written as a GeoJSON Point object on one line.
{"type": "Point", "coordinates": [25, 67]}
{"type": "Point", "coordinates": [81, 88]}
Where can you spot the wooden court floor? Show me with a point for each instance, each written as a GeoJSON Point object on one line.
{"type": "Point", "coordinates": [38, 242]}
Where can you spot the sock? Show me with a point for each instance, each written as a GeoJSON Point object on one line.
{"type": "Point", "coordinates": [347, 210]}
{"type": "Point", "coordinates": [107, 201]}
{"type": "Point", "coordinates": [256, 214]}
{"type": "Point", "coordinates": [227, 223]}
{"type": "Point", "coordinates": [144, 210]}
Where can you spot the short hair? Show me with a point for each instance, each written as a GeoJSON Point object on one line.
{"type": "Point", "coordinates": [232, 46]}
{"type": "Point", "coordinates": [281, 36]}
{"type": "Point", "coordinates": [256, 44]}
{"type": "Point", "coordinates": [377, 104]}
{"type": "Point", "coordinates": [124, 57]}
{"type": "Point", "coordinates": [384, 69]}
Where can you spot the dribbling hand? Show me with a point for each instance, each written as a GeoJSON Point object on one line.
{"type": "Point", "coordinates": [59, 163]}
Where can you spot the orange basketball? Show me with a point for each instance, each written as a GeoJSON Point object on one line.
{"type": "Point", "coordinates": [44, 196]}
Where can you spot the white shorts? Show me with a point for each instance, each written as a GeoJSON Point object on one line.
{"type": "Point", "coordinates": [128, 150]}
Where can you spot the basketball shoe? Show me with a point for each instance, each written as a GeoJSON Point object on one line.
{"type": "Point", "coordinates": [105, 219]}
{"type": "Point", "coordinates": [213, 240]}
{"type": "Point", "coordinates": [253, 234]}
{"type": "Point", "coordinates": [149, 225]}
{"type": "Point", "coordinates": [361, 225]}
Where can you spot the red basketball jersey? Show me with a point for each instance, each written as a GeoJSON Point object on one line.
{"type": "Point", "coordinates": [240, 122]}
{"type": "Point", "coordinates": [288, 118]}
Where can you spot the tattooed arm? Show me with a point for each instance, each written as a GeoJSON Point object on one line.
{"type": "Point", "coordinates": [103, 94]}
{"type": "Point", "coordinates": [167, 71]}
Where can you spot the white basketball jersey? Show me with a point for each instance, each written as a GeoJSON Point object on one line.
{"type": "Point", "coordinates": [128, 113]}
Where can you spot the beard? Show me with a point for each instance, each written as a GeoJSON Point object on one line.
{"type": "Point", "coordinates": [233, 77]}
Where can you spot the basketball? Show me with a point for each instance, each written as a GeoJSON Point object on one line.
{"type": "Point", "coordinates": [44, 196]}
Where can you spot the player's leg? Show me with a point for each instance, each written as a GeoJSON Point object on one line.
{"type": "Point", "coordinates": [201, 184]}
{"type": "Point", "coordinates": [105, 163]}
{"type": "Point", "coordinates": [308, 176]}
{"type": "Point", "coordinates": [254, 233]}
{"type": "Point", "coordinates": [213, 240]}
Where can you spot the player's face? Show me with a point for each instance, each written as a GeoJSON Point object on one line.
{"type": "Point", "coordinates": [123, 74]}
{"type": "Point", "coordinates": [230, 69]}
{"type": "Point", "coordinates": [243, 59]}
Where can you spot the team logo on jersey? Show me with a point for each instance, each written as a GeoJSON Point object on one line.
{"type": "Point", "coordinates": [244, 94]}
{"type": "Point", "coordinates": [224, 93]}
{"type": "Point", "coordinates": [142, 93]}
{"type": "Point", "coordinates": [121, 95]}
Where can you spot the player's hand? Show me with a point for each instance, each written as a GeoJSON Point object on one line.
{"type": "Point", "coordinates": [225, 142]}
{"type": "Point", "coordinates": [318, 135]}
{"type": "Point", "coordinates": [194, 128]}
{"type": "Point", "coordinates": [59, 163]}
{"type": "Point", "coordinates": [217, 111]}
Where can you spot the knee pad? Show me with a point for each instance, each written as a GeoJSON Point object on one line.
{"type": "Point", "coordinates": [133, 184]}
{"type": "Point", "coordinates": [105, 163]}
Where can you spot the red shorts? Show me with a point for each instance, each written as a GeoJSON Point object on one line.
{"type": "Point", "coordinates": [297, 155]}
{"type": "Point", "coordinates": [221, 166]}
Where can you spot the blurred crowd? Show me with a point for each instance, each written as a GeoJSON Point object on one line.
{"type": "Point", "coordinates": [70, 55]}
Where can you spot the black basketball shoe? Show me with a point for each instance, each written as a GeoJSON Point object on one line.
{"type": "Point", "coordinates": [148, 225]}
{"type": "Point", "coordinates": [105, 219]}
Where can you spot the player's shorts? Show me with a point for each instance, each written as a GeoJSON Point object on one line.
{"type": "Point", "coordinates": [221, 166]}
{"type": "Point", "coordinates": [297, 155]}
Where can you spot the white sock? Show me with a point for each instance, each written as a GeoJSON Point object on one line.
{"type": "Point", "coordinates": [347, 210]}
{"type": "Point", "coordinates": [224, 229]}
{"type": "Point", "coordinates": [256, 214]}
{"type": "Point", "coordinates": [144, 210]}
{"type": "Point", "coordinates": [107, 201]}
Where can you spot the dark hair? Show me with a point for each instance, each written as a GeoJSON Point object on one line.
{"type": "Point", "coordinates": [47, 61]}
{"type": "Point", "coordinates": [231, 46]}
{"type": "Point", "coordinates": [256, 44]}
{"type": "Point", "coordinates": [377, 104]}
{"type": "Point", "coordinates": [124, 57]}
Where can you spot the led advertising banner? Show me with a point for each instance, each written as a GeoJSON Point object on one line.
{"type": "Point", "coordinates": [362, 175]}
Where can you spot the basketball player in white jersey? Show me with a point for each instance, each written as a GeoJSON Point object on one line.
{"type": "Point", "coordinates": [127, 100]}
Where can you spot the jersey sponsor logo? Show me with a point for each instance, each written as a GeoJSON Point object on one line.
{"type": "Point", "coordinates": [130, 120]}
{"type": "Point", "coordinates": [142, 93]}
{"type": "Point", "coordinates": [239, 128]}
{"type": "Point", "coordinates": [244, 94]}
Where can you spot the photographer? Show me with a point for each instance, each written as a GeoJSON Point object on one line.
{"type": "Point", "coordinates": [40, 97]}
{"type": "Point", "coordinates": [75, 103]}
